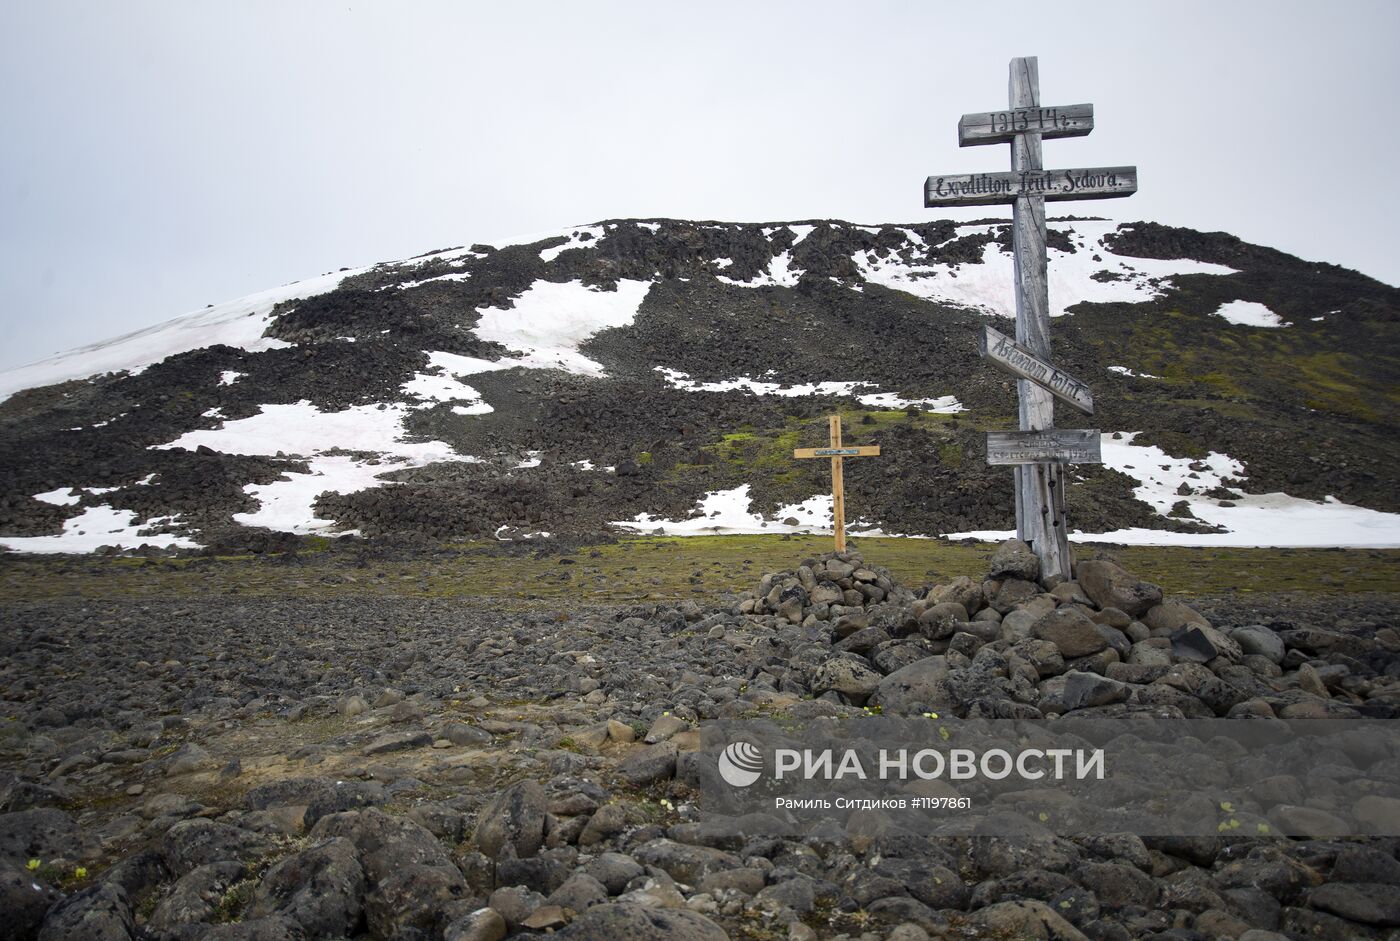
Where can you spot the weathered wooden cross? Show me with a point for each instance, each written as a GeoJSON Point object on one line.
{"type": "Point", "coordinates": [837, 453]}
{"type": "Point", "coordinates": [1038, 450]}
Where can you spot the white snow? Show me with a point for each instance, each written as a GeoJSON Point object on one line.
{"type": "Point", "coordinates": [947, 404]}
{"type": "Point", "coordinates": [405, 285]}
{"type": "Point", "coordinates": [442, 384]}
{"type": "Point", "coordinates": [1125, 371]}
{"type": "Point", "coordinates": [1250, 314]}
{"type": "Point", "coordinates": [576, 240]}
{"type": "Point", "coordinates": [63, 496]}
{"type": "Point", "coordinates": [780, 273]}
{"type": "Point", "coordinates": [550, 320]}
{"type": "Point", "coordinates": [229, 376]}
{"type": "Point", "coordinates": [302, 430]}
{"type": "Point", "coordinates": [532, 459]}
{"type": "Point", "coordinates": [988, 286]}
{"type": "Point", "coordinates": [286, 505]}
{"type": "Point", "coordinates": [800, 232]}
{"type": "Point", "coordinates": [728, 513]}
{"type": "Point", "coordinates": [99, 526]}
{"type": "Point", "coordinates": [1269, 520]}
{"type": "Point", "coordinates": [238, 323]}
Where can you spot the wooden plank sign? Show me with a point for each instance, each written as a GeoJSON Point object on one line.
{"type": "Point", "coordinates": [866, 451]}
{"type": "Point", "coordinates": [990, 189]}
{"type": "Point", "coordinates": [1001, 127]}
{"type": "Point", "coordinates": [838, 454]}
{"type": "Point", "coordinates": [1051, 446]}
{"type": "Point", "coordinates": [1010, 356]}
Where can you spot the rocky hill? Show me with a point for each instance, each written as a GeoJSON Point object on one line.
{"type": "Point", "coordinates": [658, 373]}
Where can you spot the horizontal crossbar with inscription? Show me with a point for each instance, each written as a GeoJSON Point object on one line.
{"type": "Point", "coordinates": [866, 451]}
{"type": "Point", "coordinates": [1001, 127]}
{"type": "Point", "coordinates": [989, 189]}
{"type": "Point", "coordinates": [1010, 356]}
{"type": "Point", "coordinates": [1051, 446]}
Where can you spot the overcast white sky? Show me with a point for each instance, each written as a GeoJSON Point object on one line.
{"type": "Point", "coordinates": [155, 157]}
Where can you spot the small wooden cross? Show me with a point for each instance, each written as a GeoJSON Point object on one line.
{"type": "Point", "coordinates": [837, 453]}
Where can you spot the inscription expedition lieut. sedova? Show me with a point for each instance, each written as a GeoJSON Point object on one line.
{"type": "Point", "coordinates": [1025, 183]}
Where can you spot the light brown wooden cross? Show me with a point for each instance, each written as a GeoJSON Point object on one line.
{"type": "Point", "coordinates": [837, 453]}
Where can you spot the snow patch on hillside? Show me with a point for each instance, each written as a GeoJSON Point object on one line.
{"type": "Point", "coordinates": [1250, 314]}
{"type": "Point", "coordinates": [1073, 277]}
{"type": "Point", "coordinates": [99, 526]}
{"type": "Point", "coordinates": [304, 431]}
{"type": "Point", "coordinates": [946, 404]}
{"type": "Point", "coordinates": [238, 323]}
{"type": "Point", "coordinates": [1270, 520]}
{"type": "Point", "coordinates": [551, 320]}
{"type": "Point", "coordinates": [576, 240]}
{"type": "Point", "coordinates": [729, 513]}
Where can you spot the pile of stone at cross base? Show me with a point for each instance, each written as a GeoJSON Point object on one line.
{"type": "Point", "coordinates": [1013, 645]}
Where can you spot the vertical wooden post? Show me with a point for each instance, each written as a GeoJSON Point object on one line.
{"type": "Point", "coordinates": [1040, 509]}
{"type": "Point", "coordinates": [838, 486]}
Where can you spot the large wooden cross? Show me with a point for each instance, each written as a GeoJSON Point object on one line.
{"type": "Point", "coordinates": [1038, 451]}
{"type": "Point", "coordinates": [837, 453]}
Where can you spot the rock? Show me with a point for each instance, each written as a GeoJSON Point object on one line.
{"type": "Point", "coordinates": [1025, 920]}
{"type": "Point", "coordinates": [665, 727]}
{"type": "Point", "coordinates": [460, 733]}
{"type": "Point", "coordinates": [849, 677]}
{"type": "Point", "coordinates": [515, 819]}
{"type": "Point", "coordinates": [1015, 559]}
{"type": "Point", "coordinates": [613, 870]}
{"type": "Point", "coordinates": [546, 918]}
{"type": "Point", "coordinates": [484, 924]}
{"type": "Point", "coordinates": [199, 842]}
{"type": "Point", "coordinates": [619, 920]}
{"type": "Point", "coordinates": [1293, 820]}
{"type": "Point", "coordinates": [188, 759]}
{"type": "Point", "coordinates": [276, 928]}
{"type": "Point", "coordinates": [1259, 641]}
{"type": "Point", "coordinates": [409, 875]}
{"type": "Point", "coordinates": [1309, 682]}
{"type": "Point", "coordinates": [962, 591]}
{"type": "Point", "coordinates": [621, 732]}
{"type": "Point", "coordinates": [608, 820]}
{"type": "Point", "coordinates": [352, 705]}
{"type": "Point", "coordinates": [43, 833]}
{"type": "Point", "coordinates": [1071, 631]}
{"type": "Point", "coordinates": [1367, 902]}
{"type": "Point", "coordinates": [1083, 690]}
{"type": "Point", "coordinates": [579, 893]}
{"type": "Point", "coordinates": [1359, 863]}
{"type": "Point", "coordinates": [99, 913]}
{"type": "Point", "coordinates": [1011, 593]}
{"type": "Point", "coordinates": [515, 904]}
{"type": "Point", "coordinates": [1109, 586]}
{"type": "Point", "coordinates": [916, 688]}
{"type": "Point", "coordinates": [398, 741]}
{"type": "Point", "coordinates": [939, 621]}
{"type": "Point", "coordinates": [1377, 814]}
{"type": "Point", "coordinates": [195, 896]}
{"type": "Point", "coordinates": [1171, 616]}
{"type": "Point", "coordinates": [322, 889]}
{"type": "Point", "coordinates": [684, 863]}
{"type": "Point", "coordinates": [652, 763]}
{"type": "Point", "coordinates": [24, 902]}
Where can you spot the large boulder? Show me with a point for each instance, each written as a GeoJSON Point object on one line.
{"type": "Point", "coordinates": [99, 913]}
{"type": "Point", "coordinates": [1070, 629]}
{"type": "Point", "coordinates": [849, 677]}
{"type": "Point", "coordinates": [1109, 586]}
{"type": "Point", "coordinates": [915, 688]}
{"type": "Point", "coordinates": [515, 819]}
{"type": "Point", "coordinates": [322, 888]}
{"type": "Point", "coordinates": [1014, 559]}
{"type": "Point", "coordinates": [620, 920]}
{"type": "Point", "coordinates": [413, 884]}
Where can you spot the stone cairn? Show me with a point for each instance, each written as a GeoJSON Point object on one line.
{"type": "Point", "coordinates": [1014, 645]}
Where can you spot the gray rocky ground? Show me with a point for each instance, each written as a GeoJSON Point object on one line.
{"type": "Point", "coordinates": [284, 768]}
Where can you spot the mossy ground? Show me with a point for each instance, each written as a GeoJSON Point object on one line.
{"type": "Point", "coordinates": [655, 569]}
